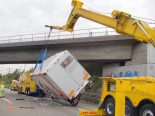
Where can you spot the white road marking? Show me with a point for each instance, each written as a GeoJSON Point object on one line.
{"type": "Point", "coordinates": [6, 100]}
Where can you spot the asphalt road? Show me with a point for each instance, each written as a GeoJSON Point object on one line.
{"type": "Point", "coordinates": [35, 106]}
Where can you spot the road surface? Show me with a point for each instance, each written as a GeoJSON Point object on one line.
{"type": "Point", "coordinates": [23, 105]}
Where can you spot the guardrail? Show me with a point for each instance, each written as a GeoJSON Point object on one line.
{"type": "Point", "coordinates": [93, 32]}
{"type": "Point", "coordinates": [91, 96]}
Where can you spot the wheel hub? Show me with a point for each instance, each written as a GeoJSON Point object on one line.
{"type": "Point", "coordinates": [148, 113]}
{"type": "Point", "coordinates": [110, 108]}
{"type": "Point", "coordinates": [127, 111]}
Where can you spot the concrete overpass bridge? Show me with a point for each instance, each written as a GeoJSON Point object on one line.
{"type": "Point", "coordinates": [87, 46]}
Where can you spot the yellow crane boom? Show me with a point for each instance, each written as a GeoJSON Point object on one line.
{"type": "Point", "coordinates": [122, 22]}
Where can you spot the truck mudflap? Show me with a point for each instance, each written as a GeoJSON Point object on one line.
{"type": "Point", "coordinates": [97, 112]}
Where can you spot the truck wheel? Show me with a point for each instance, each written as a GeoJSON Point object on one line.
{"type": "Point", "coordinates": [147, 110]}
{"type": "Point", "coordinates": [88, 86]}
{"type": "Point", "coordinates": [28, 91]}
{"type": "Point", "coordinates": [110, 107]}
{"type": "Point", "coordinates": [25, 91]}
{"type": "Point", "coordinates": [20, 90]}
{"type": "Point", "coordinates": [129, 109]}
{"type": "Point", "coordinates": [75, 102]}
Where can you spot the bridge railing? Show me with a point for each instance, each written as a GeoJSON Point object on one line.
{"type": "Point", "coordinates": [82, 33]}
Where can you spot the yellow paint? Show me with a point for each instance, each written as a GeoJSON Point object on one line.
{"type": "Point", "coordinates": [71, 93]}
{"type": "Point", "coordinates": [96, 112]}
{"type": "Point", "coordinates": [27, 83]}
{"type": "Point", "coordinates": [122, 22]}
{"type": "Point", "coordinates": [86, 75]}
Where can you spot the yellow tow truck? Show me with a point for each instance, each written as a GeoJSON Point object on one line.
{"type": "Point", "coordinates": [14, 85]}
{"type": "Point", "coordinates": [120, 96]}
{"type": "Point", "coordinates": [26, 84]}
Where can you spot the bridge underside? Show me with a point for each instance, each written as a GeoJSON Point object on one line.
{"type": "Point", "coordinates": [96, 49]}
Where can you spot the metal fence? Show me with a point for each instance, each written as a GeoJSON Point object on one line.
{"type": "Point", "coordinates": [82, 33]}
{"type": "Point", "coordinates": [93, 32]}
{"type": "Point", "coordinates": [91, 96]}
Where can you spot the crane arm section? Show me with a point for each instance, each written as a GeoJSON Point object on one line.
{"type": "Point", "coordinates": [122, 22]}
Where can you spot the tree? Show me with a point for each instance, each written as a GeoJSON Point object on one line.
{"type": "Point", "coordinates": [95, 70]}
{"type": "Point", "coordinates": [9, 77]}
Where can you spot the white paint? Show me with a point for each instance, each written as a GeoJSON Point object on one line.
{"type": "Point", "coordinates": [6, 100]}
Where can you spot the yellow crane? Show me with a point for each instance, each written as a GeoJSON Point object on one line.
{"type": "Point", "coordinates": [122, 22]}
{"type": "Point", "coordinates": [120, 96]}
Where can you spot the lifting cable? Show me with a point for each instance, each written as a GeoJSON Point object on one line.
{"type": "Point", "coordinates": [43, 53]}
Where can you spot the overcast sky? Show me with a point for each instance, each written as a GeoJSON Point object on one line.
{"type": "Point", "coordinates": [30, 16]}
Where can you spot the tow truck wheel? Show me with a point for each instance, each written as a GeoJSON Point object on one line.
{"type": "Point", "coordinates": [110, 107]}
{"type": "Point", "coordinates": [20, 90]}
{"type": "Point", "coordinates": [28, 91]}
{"type": "Point", "coordinates": [25, 91]}
{"type": "Point", "coordinates": [147, 110]}
{"type": "Point", "coordinates": [129, 109]}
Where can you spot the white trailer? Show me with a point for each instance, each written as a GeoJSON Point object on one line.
{"type": "Point", "coordinates": [62, 76]}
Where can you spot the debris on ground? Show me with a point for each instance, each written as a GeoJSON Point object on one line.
{"type": "Point", "coordinates": [27, 107]}
{"type": "Point", "coordinates": [20, 99]}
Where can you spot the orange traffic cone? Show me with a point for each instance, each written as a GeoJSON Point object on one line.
{"type": "Point", "coordinates": [10, 107]}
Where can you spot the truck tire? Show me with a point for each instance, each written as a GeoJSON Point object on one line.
{"type": "Point", "coordinates": [28, 91]}
{"type": "Point", "coordinates": [110, 108]}
{"type": "Point", "coordinates": [20, 90]}
{"type": "Point", "coordinates": [129, 109]}
{"type": "Point", "coordinates": [25, 91]}
{"type": "Point", "coordinates": [73, 102]}
{"type": "Point", "coordinates": [147, 110]}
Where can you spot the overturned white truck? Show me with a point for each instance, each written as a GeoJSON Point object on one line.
{"type": "Point", "coordinates": [63, 77]}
